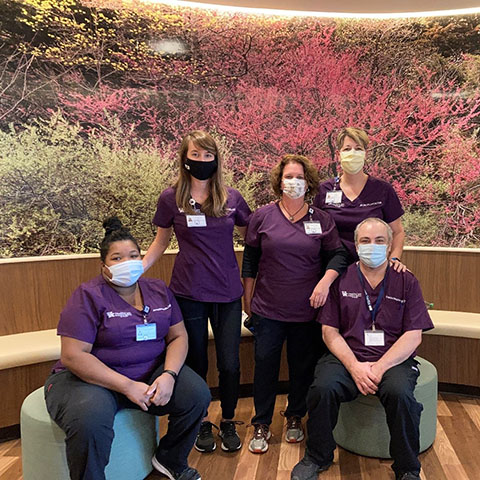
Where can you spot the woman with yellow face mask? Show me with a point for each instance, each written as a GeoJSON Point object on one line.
{"type": "Point", "coordinates": [355, 196]}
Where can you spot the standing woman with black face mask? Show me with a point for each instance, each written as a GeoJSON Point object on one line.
{"type": "Point", "coordinates": [206, 279]}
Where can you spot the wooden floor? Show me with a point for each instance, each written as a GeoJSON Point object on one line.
{"type": "Point", "coordinates": [455, 454]}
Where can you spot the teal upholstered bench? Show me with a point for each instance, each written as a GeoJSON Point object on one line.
{"type": "Point", "coordinates": [43, 443]}
{"type": "Point", "coordinates": [362, 425]}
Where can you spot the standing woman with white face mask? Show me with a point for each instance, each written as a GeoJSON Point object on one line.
{"type": "Point", "coordinates": [355, 196]}
{"type": "Point", "coordinates": [292, 255]}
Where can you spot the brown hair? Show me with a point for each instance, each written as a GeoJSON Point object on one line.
{"type": "Point", "coordinates": [356, 134]}
{"type": "Point", "coordinates": [215, 205]}
{"type": "Point", "coordinates": [311, 174]}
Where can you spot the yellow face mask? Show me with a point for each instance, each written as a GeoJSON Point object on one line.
{"type": "Point", "coordinates": [352, 161]}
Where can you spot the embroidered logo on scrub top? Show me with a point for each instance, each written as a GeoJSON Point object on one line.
{"type": "Point", "coordinates": [119, 314]}
{"type": "Point", "coordinates": [161, 309]}
{"type": "Point", "coordinates": [395, 299]}
{"type": "Point", "coordinates": [351, 294]}
{"type": "Point", "coordinates": [370, 204]}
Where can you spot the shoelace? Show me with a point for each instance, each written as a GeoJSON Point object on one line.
{"type": "Point", "coordinates": [294, 423]}
{"type": "Point", "coordinates": [228, 427]}
{"type": "Point", "coordinates": [261, 431]}
{"type": "Point", "coordinates": [206, 429]}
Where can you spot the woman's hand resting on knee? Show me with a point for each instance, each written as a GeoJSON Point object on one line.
{"type": "Point", "coordinates": [161, 390]}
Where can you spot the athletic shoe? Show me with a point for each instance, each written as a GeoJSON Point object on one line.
{"type": "Point", "coordinates": [188, 474]}
{"type": "Point", "coordinates": [307, 470]}
{"type": "Point", "coordinates": [408, 476]}
{"type": "Point", "coordinates": [261, 436]}
{"type": "Point", "coordinates": [230, 439]}
{"type": "Point", "coordinates": [205, 441]}
{"type": "Point", "coordinates": [294, 433]}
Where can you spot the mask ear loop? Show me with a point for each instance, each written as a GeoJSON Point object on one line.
{"type": "Point", "coordinates": [105, 271]}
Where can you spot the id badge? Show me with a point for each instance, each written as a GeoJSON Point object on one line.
{"type": "Point", "coordinates": [312, 228]}
{"type": "Point", "coordinates": [196, 220]}
{"type": "Point", "coordinates": [334, 197]}
{"type": "Point", "coordinates": [374, 338]}
{"type": "Point", "coordinates": [146, 331]}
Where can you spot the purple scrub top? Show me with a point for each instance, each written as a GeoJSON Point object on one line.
{"type": "Point", "coordinates": [290, 264]}
{"type": "Point", "coordinates": [96, 314]}
{"type": "Point", "coordinates": [206, 269]}
{"type": "Point", "coordinates": [377, 199]}
{"type": "Point", "coordinates": [401, 310]}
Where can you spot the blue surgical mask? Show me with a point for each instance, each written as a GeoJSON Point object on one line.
{"type": "Point", "coordinates": [372, 255]}
{"type": "Point", "coordinates": [125, 274]}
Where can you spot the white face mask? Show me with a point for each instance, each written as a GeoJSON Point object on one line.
{"type": "Point", "coordinates": [352, 161]}
{"type": "Point", "coordinates": [125, 274]}
{"type": "Point", "coordinates": [372, 254]}
{"type": "Point", "coordinates": [294, 187]}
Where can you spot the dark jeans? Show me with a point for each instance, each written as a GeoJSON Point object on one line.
{"type": "Point", "coordinates": [85, 412]}
{"type": "Point", "coordinates": [333, 385]}
{"type": "Point", "coordinates": [225, 319]}
{"type": "Point", "coordinates": [304, 347]}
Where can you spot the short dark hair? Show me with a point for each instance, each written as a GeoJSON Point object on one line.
{"type": "Point", "coordinates": [114, 232]}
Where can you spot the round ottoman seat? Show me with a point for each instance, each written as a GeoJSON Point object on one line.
{"type": "Point", "coordinates": [43, 443]}
{"type": "Point", "coordinates": [362, 424]}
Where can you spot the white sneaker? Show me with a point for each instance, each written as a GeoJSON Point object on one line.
{"type": "Point", "coordinates": [261, 436]}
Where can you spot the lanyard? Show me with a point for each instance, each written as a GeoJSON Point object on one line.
{"type": "Point", "coordinates": [336, 183]}
{"type": "Point", "coordinates": [145, 311]}
{"type": "Point", "coordinates": [192, 203]}
{"type": "Point", "coordinates": [372, 309]}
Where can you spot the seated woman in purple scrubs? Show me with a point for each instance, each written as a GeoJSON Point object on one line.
{"type": "Point", "coordinates": [355, 196]}
{"type": "Point", "coordinates": [123, 346]}
{"type": "Point", "coordinates": [206, 279]}
{"type": "Point", "coordinates": [294, 252]}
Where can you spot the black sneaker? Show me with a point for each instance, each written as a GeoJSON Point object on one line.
{"type": "Point", "coordinates": [205, 441]}
{"type": "Point", "coordinates": [188, 474]}
{"type": "Point", "coordinates": [230, 439]}
{"type": "Point", "coordinates": [408, 476]}
{"type": "Point", "coordinates": [307, 470]}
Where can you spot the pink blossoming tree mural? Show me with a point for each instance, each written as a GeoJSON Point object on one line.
{"type": "Point", "coordinates": [121, 83]}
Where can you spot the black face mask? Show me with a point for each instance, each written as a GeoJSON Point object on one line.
{"type": "Point", "coordinates": [200, 170]}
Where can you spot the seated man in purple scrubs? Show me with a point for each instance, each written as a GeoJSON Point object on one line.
{"type": "Point", "coordinates": [372, 324]}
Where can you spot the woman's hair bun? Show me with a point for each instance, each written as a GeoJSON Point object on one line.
{"type": "Point", "coordinates": [111, 224]}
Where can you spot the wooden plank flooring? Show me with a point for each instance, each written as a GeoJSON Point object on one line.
{"type": "Point", "coordinates": [454, 455]}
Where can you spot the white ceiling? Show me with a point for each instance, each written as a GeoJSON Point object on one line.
{"type": "Point", "coordinates": [350, 6]}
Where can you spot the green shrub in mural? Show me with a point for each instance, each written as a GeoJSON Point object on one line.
{"type": "Point", "coordinates": [57, 186]}
{"type": "Point", "coordinates": [94, 100]}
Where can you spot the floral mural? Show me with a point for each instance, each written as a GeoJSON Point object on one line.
{"type": "Point", "coordinates": [95, 97]}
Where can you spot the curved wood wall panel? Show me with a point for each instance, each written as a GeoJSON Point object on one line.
{"type": "Point", "coordinates": [450, 278]}
{"type": "Point", "coordinates": [33, 291]}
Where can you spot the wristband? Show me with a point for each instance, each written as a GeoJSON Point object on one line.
{"type": "Point", "coordinates": [172, 373]}
{"type": "Point", "coordinates": [395, 258]}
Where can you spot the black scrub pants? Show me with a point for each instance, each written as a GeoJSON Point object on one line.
{"type": "Point", "coordinates": [85, 412]}
{"type": "Point", "coordinates": [333, 385]}
{"type": "Point", "coordinates": [225, 319]}
{"type": "Point", "coordinates": [304, 347]}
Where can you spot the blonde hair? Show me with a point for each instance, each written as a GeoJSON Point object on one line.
{"type": "Point", "coordinates": [356, 134]}
{"type": "Point", "coordinates": [216, 203]}
{"type": "Point", "coordinates": [311, 174]}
